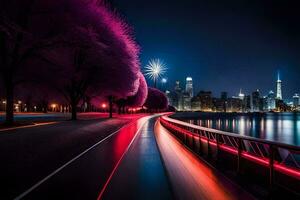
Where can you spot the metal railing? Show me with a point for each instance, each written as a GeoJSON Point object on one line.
{"type": "Point", "coordinates": [274, 156]}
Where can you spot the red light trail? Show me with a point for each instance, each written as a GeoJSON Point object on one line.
{"type": "Point", "coordinates": [190, 177]}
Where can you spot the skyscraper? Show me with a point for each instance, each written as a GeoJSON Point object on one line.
{"type": "Point", "coordinates": [206, 101]}
{"type": "Point", "coordinates": [296, 100]}
{"type": "Point", "coordinates": [224, 96]}
{"type": "Point", "coordinates": [177, 86]}
{"type": "Point", "coordinates": [178, 97]}
{"type": "Point", "coordinates": [271, 101]}
{"type": "Point", "coordinates": [255, 101]}
{"type": "Point", "coordinates": [189, 86]}
{"type": "Point", "coordinates": [241, 95]}
{"type": "Point", "coordinates": [278, 89]}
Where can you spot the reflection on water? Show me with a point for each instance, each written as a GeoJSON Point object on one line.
{"type": "Point", "coordinates": [281, 127]}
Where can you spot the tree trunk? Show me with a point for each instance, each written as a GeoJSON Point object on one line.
{"type": "Point", "coordinates": [110, 99]}
{"type": "Point", "coordinates": [9, 119]}
{"type": "Point", "coordinates": [74, 110]}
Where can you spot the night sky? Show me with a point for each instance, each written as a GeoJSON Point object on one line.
{"type": "Point", "coordinates": [223, 45]}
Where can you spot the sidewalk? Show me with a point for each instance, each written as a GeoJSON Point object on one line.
{"type": "Point", "coordinates": [141, 174]}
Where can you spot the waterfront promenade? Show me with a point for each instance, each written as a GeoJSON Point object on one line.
{"type": "Point", "coordinates": [127, 157]}
{"type": "Point", "coordinates": [132, 157]}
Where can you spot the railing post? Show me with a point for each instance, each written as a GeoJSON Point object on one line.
{"type": "Point", "coordinates": [208, 146]}
{"type": "Point", "coordinates": [271, 167]}
{"type": "Point", "coordinates": [217, 142]}
{"type": "Point", "coordinates": [200, 145]}
{"type": "Point", "coordinates": [239, 155]}
{"type": "Point", "coordinates": [185, 136]}
{"type": "Point", "coordinates": [193, 140]}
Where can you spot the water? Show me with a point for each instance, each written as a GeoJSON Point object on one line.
{"type": "Point", "coordinates": [280, 127]}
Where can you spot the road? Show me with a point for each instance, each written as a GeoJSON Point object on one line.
{"type": "Point", "coordinates": [53, 116]}
{"type": "Point", "coordinates": [29, 154]}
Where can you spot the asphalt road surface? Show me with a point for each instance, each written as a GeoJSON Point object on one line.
{"type": "Point", "coordinates": [30, 154]}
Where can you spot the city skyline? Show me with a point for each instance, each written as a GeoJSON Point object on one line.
{"type": "Point", "coordinates": [186, 99]}
{"type": "Point", "coordinates": [263, 92]}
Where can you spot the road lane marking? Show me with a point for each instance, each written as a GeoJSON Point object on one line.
{"type": "Point", "coordinates": [28, 126]}
{"type": "Point", "coordinates": [69, 162]}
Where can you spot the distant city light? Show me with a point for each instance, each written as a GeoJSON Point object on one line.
{"type": "Point", "coordinates": [155, 69]}
{"type": "Point", "coordinates": [103, 105]}
{"type": "Point", "coordinates": [163, 80]}
{"type": "Point", "coordinates": [189, 79]}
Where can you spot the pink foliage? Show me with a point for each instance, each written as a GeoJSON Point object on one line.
{"type": "Point", "coordinates": [140, 97]}
{"type": "Point", "coordinates": [111, 55]}
{"type": "Point", "coordinates": [156, 100]}
{"type": "Point", "coordinates": [106, 38]}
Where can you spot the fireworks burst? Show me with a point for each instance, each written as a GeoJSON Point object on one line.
{"type": "Point", "coordinates": [155, 69]}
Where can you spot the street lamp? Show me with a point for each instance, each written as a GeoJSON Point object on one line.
{"type": "Point", "coordinates": [4, 105]}
{"type": "Point", "coordinates": [163, 83]}
{"type": "Point", "coordinates": [53, 107]}
{"type": "Point", "coordinates": [155, 69]}
{"type": "Point", "coordinates": [103, 106]}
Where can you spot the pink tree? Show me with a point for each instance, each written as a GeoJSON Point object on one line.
{"type": "Point", "coordinates": [118, 76]}
{"type": "Point", "coordinates": [140, 97]}
{"type": "Point", "coordinates": [108, 57]}
{"type": "Point", "coordinates": [156, 100]}
{"type": "Point", "coordinates": [85, 43]}
{"type": "Point", "coordinates": [136, 100]}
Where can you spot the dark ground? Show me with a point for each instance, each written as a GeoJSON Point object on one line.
{"type": "Point", "coordinates": [29, 154]}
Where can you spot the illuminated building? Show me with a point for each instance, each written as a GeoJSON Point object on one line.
{"type": "Point", "coordinates": [206, 102]}
{"type": "Point", "coordinates": [278, 88]}
{"type": "Point", "coordinates": [239, 103]}
{"type": "Point", "coordinates": [255, 101]}
{"type": "Point", "coordinates": [224, 98]}
{"type": "Point", "coordinates": [176, 97]}
{"type": "Point", "coordinates": [169, 97]}
{"type": "Point", "coordinates": [241, 95]}
{"type": "Point", "coordinates": [246, 104]}
{"type": "Point", "coordinates": [271, 101]}
{"type": "Point", "coordinates": [218, 105]}
{"type": "Point", "coordinates": [186, 100]}
{"type": "Point", "coordinates": [195, 103]}
{"type": "Point", "coordinates": [189, 86]}
{"type": "Point", "coordinates": [265, 106]}
{"type": "Point", "coordinates": [177, 87]}
{"type": "Point", "coordinates": [296, 100]}
{"type": "Point", "coordinates": [234, 104]}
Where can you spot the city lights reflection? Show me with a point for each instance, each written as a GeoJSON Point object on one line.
{"type": "Point", "coordinates": [283, 127]}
